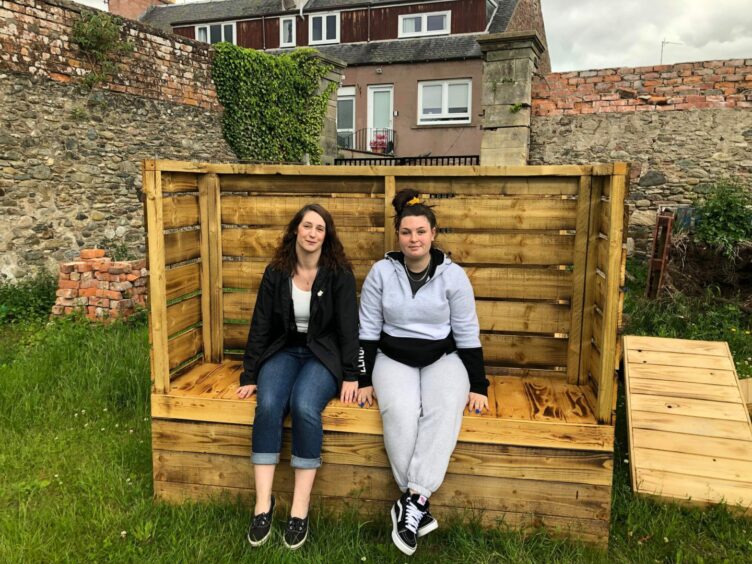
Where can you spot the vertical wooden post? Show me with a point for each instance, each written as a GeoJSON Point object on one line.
{"type": "Point", "coordinates": [152, 188]}
{"type": "Point", "coordinates": [390, 188]}
{"type": "Point", "coordinates": [607, 385]}
{"type": "Point", "coordinates": [588, 301]}
{"type": "Point", "coordinates": [579, 276]}
{"type": "Point", "coordinates": [211, 268]}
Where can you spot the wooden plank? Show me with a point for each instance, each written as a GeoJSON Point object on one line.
{"type": "Point", "coordinates": [580, 276]}
{"type": "Point", "coordinates": [411, 171]}
{"type": "Point", "coordinates": [658, 344]}
{"type": "Point", "coordinates": [279, 210]}
{"type": "Point", "coordinates": [746, 389]}
{"type": "Point", "coordinates": [390, 233]}
{"type": "Point", "coordinates": [693, 444]}
{"type": "Point", "coordinates": [688, 360]}
{"type": "Point", "coordinates": [691, 425]}
{"type": "Point", "coordinates": [502, 248]}
{"type": "Point", "coordinates": [181, 246]}
{"type": "Point", "coordinates": [184, 347]}
{"type": "Point", "coordinates": [182, 280]}
{"type": "Point", "coordinates": [682, 374]}
{"type": "Point", "coordinates": [183, 314]}
{"type": "Point", "coordinates": [696, 491]}
{"type": "Point", "coordinates": [607, 385]}
{"type": "Point", "coordinates": [521, 350]}
{"type": "Point", "coordinates": [587, 530]}
{"type": "Point", "coordinates": [576, 402]}
{"type": "Point", "coordinates": [512, 316]}
{"type": "Point", "coordinates": [507, 213]}
{"type": "Point", "coordinates": [482, 430]}
{"type": "Point", "coordinates": [692, 407]}
{"type": "Point", "coordinates": [211, 267]}
{"type": "Point", "coordinates": [259, 243]}
{"type": "Point", "coordinates": [690, 390]}
{"type": "Point", "coordinates": [520, 283]}
{"type": "Point", "coordinates": [186, 382]}
{"type": "Point", "coordinates": [247, 274]}
{"type": "Point", "coordinates": [152, 188]}
{"type": "Point", "coordinates": [368, 450]}
{"type": "Point", "coordinates": [179, 182]}
{"type": "Point", "coordinates": [341, 480]}
{"type": "Point", "coordinates": [180, 211]}
{"type": "Point", "coordinates": [521, 186]}
{"type": "Point", "coordinates": [713, 467]}
{"type": "Point", "coordinates": [238, 306]}
{"type": "Point", "coordinates": [302, 184]}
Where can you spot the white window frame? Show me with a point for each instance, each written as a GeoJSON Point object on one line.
{"type": "Point", "coordinates": [424, 27]}
{"type": "Point", "coordinates": [282, 20]}
{"type": "Point", "coordinates": [445, 118]}
{"type": "Point", "coordinates": [222, 28]}
{"type": "Point", "coordinates": [347, 93]}
{"type": "Point", "coordinates": [323, 16]}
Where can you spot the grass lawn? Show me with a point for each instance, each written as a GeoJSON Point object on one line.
{"type": "Point", "coordinates": [75, 476]}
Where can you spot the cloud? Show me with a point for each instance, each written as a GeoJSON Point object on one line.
{"type": "Point", "coordinates": [589, 34]}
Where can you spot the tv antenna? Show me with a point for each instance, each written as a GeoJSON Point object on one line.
{"type": "Point", "coordinates": [664, 43]}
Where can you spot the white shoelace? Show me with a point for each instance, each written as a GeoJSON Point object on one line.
{"type": "Point", "coordinates": [413, 515]}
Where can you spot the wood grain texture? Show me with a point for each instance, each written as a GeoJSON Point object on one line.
{"type": "Point", "coordinates": [184, 347]}
{"type": "Point", "coordinates": [182, 280]}
{"type": "Point", "coordinates": [180, 211]}
{"type": "Point", "coordinates": [509, 213]}
{"type": "Point", "coordinates": [183, 314]}
{"type": "Point", "coordinates": [519, 249]}
{"type": "Point", "coordinates": [181, 246]}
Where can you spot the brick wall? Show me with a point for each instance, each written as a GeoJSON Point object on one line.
{"type": "Point", "coordinates": [35, 39]}
{"type": "Point", "coordinates": [529, 16]}
{"type": "Point", "coordinates": [683, 86]}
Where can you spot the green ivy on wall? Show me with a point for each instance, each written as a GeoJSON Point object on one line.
{"type": "Point", "coordinates": [274, 106]}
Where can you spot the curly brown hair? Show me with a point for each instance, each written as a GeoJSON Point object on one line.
{"type": "Point", "coordinates": [332, 252]}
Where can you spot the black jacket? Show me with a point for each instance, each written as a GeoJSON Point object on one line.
{"type": "Point", "coordinates": [332, 328]}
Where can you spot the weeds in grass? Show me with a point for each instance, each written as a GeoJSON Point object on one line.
{"type": "Point", "coordinates": [29, 299]}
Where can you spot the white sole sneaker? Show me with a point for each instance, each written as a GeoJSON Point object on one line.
{"type": "Point", "coordinates": [258, 542]}
{"type": "Point", "coordinates": [398, 542]}
{"type": "Point", "coordinates": [431, 527]}
{"type": "Point", "coordinates": [298, 544]}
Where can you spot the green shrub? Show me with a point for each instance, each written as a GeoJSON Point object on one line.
{"type": "Point", "coordinates": [97, 34]}
{"type": "Point", "coordinates": [29, 299]}
{"type": "Point", "coordinates": [724, 217]}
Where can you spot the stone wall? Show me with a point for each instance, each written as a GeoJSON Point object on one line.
{"type": "Point", "coordinates": [681, 126]}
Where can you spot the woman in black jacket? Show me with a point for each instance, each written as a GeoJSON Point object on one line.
{"type": "Point", "coordinates": [302, 347]}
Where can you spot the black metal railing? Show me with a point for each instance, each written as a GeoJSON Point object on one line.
{"type": "Point", "coordinates": [368, 140]}
{"type": "Point", "coordinates": [462, 160]}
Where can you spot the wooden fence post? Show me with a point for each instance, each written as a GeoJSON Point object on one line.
{"type": "Point", "coordinates": [211, 268]}
{"type": "Point", "coordinates": [390, 187]}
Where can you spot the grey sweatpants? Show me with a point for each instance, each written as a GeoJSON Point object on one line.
{"type": "Point", "coordinates": [421, 409]}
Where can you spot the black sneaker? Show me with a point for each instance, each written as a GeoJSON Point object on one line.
{"type": "Point", "coordinates": [261, 527]}
{"type": "Point", "coordinates": [407, 513]}
{"type": "Point", "coordinates": [427, 524]}
{"type": "Point", "coordinates": [296, 532]}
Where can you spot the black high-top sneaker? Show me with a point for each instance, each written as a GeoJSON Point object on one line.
{"type": "Point", "coordinates": [296, 532]}
{"type": "Point", "coordinates": [428, 523]}
{"type": "Point", "coordinates": [407, 512]}
{"type": "Point", "coordinates": [261, 527]}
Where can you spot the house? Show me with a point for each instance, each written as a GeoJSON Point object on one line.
{"type": "Point", "coordinates": [412, 84]}
{"type": "Point", "coordinates": [132, 9]}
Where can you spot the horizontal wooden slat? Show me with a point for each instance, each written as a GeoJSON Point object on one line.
{"type": "Point", "coordinates": [184, 347]}
{"type": "Point", "coordinates": [692, 444]}
{"type": "Point", "coordinates": [510, 213]}
{"type": "Point", "coordinates": [517, 350]}
{"type": "Point", "coordinates": [706, 409]}
{"type": "Point", "coordinates": [680, 374]}
{"type": "Point", "coordinates": [180, 211]}
{"type": "Point", "coordinates": [182, 280]}
{"type": "Point", "coordinates": [262, 242]}
{"type": "Point", "coordinates": [683, 390]}
{"type": "Point", "coordinates": [532, 249]}
{"type": "Point", "coordinates": [179, 182]}
{"type": "Point", "coordinates": [694, 491]}
{"type": "Point", "coordinates": [432, 183]}
{"type": "Point", "coordinates": [183, 314]}
{"type": "Point", "coordinates": [713, 348]}
{"type": "Point", "coordinates": [687, 359]}
{"type": "Point", "coordinates": [247, 274]}
{"type": "Point", "coordinates": [279, 210]}
{"type": "Point", "coordinates": [661, 421]}
{"type": "Point", "coordinates": [301, 184]}
{"type": "Point", "coordinates": [520, 283]}
{"type": "Point", "coordinates": [182, 245]}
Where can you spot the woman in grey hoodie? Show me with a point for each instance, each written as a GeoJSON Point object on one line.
{"type": "Point", "coordinates": [421, 351]}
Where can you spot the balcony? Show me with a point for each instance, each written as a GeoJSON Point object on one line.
{"type": "Point", "coordinates": [368, 140]}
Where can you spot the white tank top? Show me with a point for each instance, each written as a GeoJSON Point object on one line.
{"type": "Point", "coordinates": [301, 305]}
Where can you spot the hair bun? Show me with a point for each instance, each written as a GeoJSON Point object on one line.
{"type": "Point", "coordinates": [402, 197]}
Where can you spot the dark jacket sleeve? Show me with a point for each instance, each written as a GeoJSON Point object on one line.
{"type": "Point", "coordinates": [476, 372]}
{"type": "Point", "coordinates": [258, 334]}
{"type": "Point", "coordinates": [346, 315]}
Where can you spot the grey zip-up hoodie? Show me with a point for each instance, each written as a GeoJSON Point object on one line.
{"type": "Point", "coordinates": [441, 313]}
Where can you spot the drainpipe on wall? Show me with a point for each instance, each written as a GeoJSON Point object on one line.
{"type": "Point", "coordinates": [509, 61]}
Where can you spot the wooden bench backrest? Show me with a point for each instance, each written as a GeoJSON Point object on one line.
{"type": "Point", "coordinates": [543, 247]}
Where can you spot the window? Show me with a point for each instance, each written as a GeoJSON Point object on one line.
{"type": "Point", "coordinates": [419, 25]}
{"type": "Point", "coordinates": [346, 117]}
{"type": "Point", "coordinates": [323, 28]}
{"type": "Point", "coordinates": [444, 102]}
{"type": "Point", "coordinates": [214, 33]}
{"type": "Point", "coordinates": [287, 32]}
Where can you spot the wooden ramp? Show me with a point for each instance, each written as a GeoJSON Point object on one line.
{"type": "Point", "coordinates": [689, 431]}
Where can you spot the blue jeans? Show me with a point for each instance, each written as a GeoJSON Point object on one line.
{"type": "Point", "coordinates": [292, 381]}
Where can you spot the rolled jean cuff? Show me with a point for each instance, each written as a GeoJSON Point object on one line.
{"type": "Point", "coordinates": [265, 457]}
{"type": "Point", "coordinates": [419, 489]}
{"type": "Point", "coordinates": [305, 463]}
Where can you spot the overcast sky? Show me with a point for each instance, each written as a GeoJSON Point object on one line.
{"type": "Point", "coordinates": [593, 34]}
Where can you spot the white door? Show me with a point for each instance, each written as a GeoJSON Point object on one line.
{"type": "Point", "coordinates": [380, 118]}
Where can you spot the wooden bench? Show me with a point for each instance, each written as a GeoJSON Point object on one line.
{"type": "Point", "coordinates": [544, 249]}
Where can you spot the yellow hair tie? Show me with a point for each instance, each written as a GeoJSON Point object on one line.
{"type": "Point", "coordinates": [415, 201]}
